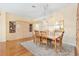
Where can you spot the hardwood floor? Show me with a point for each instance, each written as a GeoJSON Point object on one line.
{"type": "Point", "coordinates": [11, 48]}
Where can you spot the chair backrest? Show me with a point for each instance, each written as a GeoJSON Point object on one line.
{"type": "Point", "coordinates": [62, 34]}
{"type": "Point", "coordinates": [44, 33]}
{"type": "Point", "coordinates": [37, 33]}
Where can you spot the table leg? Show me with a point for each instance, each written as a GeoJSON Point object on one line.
{"type": "Point", "coordinates": [60, 45]}
{"type": "Point", "coordinates": [55, 45]}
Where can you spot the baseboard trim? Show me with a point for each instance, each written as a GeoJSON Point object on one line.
{"type": "Point", "coordinates": [17, 39]}
{"type": "Point", "coordinates": [70, 44]}
{"type": "Point", "coordinates": [3, 41]}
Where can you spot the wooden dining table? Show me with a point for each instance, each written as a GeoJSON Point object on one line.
{"type": "Point", "coordinates": [52, 36]}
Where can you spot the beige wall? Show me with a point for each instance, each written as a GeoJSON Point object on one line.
{"type": "Point", "coordinates": [68, 14]}
{"type": "Point", "coordinates": [2, 26]}
{"type": "Point", "coordinates": [22, 27]}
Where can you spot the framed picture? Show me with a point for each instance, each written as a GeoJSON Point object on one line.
{"type": "Point", "coordinates": [12, 26]}
{"type": "Point", "coordinates": [30, 27]}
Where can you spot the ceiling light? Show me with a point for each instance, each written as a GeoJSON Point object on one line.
{"type": "Point", "coordinates": [33, 6]}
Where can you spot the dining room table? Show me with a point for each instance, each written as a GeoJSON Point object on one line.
{"type": "Point", "coordinates": [52, 35]}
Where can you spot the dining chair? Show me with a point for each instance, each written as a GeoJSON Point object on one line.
{"type": "Point", "coordinates": [37, 36]}
{"type": "Point", "coordinates": [44, 36]}
{"type": "Point", "coordinates": [52, 37]}
{"type": "Point", "coordinates": [58, 40]}
{"type": "Point", "coordinates": [33, 32]}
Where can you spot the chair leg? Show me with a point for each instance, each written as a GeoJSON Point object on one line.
{"type": "Point", "coordinates": [55, 45]}
{"type": "Point", "coordinates": [36, 42]}
{"type": "Point", "coordinates": [34, 39]}
{"type": "Point", "coordinates": [46, 43]}
{"type": "Point", "coordinates": [60, 45]}
{"type": "Point", "coordinates": [40, 41]}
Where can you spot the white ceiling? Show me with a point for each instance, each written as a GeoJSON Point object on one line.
{"type": "Point", "coordinates": [31, 10]}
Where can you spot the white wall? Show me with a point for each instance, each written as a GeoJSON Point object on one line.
{"type": "Point", "coordinates": [2, 27]}
{"type": "Point", "coordinates": [23, 32]}
{"type": "Point", "coordinates": [22, 27]}
{"type": "Point", "coordinates": [68, 13]}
